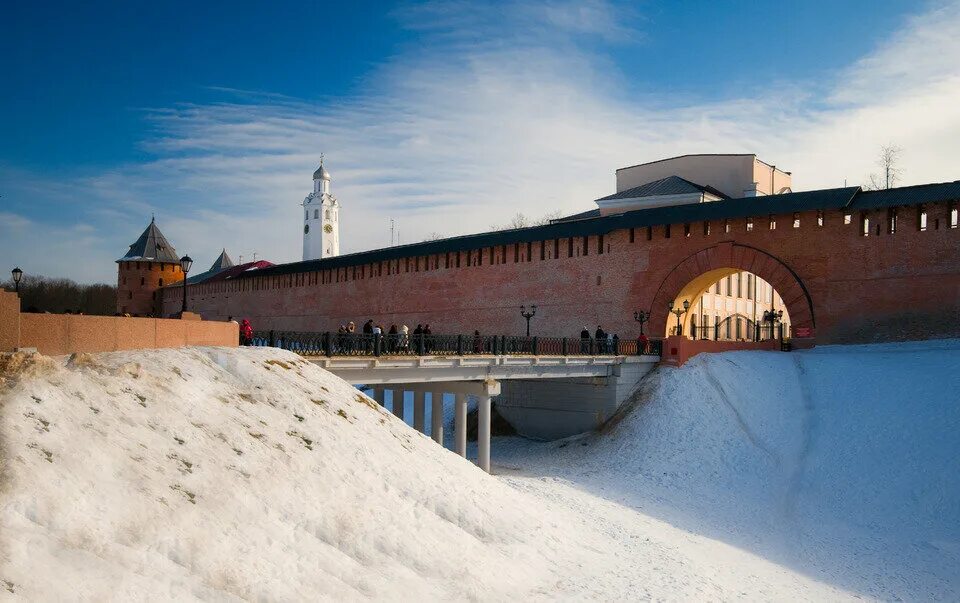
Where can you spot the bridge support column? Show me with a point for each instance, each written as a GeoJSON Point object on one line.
{"type": "Point", "coordinates": [419, 410]}
{"type": "Point", "coordinates": [460, 424]}
{"type": "Point", "coordinates": [490, 388]}
{"type": "Point", "coordinates": [379, 395]}
{"type": "Point", "coordinates": [398, 403]}
{"type": "Point", "coordinates": [436, 417]}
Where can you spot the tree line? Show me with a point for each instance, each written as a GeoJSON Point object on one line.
{"type": "Point", "coordinates": [62, 295]}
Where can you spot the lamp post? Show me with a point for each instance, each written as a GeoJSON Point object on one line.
{"type": "Point", "coordinates": [528, 315]}
{"type": "Point", "coordinates": [17, 275]}
{"type": "Point", "coordinates": [772, 317]}
{"type": "Point", "coordinates": [679, 312]}
{"type": "Point", "coordinates": [641, 317]}
{"type": "Point", "coordinates": [185, 264]}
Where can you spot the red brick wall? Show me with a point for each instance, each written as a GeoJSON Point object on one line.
{"type": "Point", "coordinates": [850, 288]}
{"type": "Point", "coordinates": [137, 282]}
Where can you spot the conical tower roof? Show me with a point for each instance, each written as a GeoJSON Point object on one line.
{"type": "Point", "coordinates": [152, 246]}
{"type": "Point", "coordinates": [222, 263]}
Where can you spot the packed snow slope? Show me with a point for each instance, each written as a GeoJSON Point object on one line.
{"type": "Point", "coordinates": [841, 463]}
{"type": "Point", "coordinates": [250, 474]}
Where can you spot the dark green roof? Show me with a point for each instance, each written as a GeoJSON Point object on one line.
{"type": "Point", "coordinates": [829, 199]}
{"type": "Point", "coordinates": [671, 185]}
{"type": "Point", "coordinates": [152, 246]}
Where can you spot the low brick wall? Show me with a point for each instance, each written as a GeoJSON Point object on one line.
{"type": "Point", "coordinates": [677, 350]}
{"type": "Point", "coordinates": [55, 334]}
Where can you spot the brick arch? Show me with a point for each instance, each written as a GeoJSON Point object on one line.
{"type": "Point", "coordinates": [729, 257]}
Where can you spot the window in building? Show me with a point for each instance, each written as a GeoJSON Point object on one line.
{"type": "Point", "coordinates": [529, 252]}
{"type": "Point", "coordinates": [570, 247]}
{"type": "Point", "coordinates": [749, 224]}
{"type": "Point", "coordinates": [892, 220]}
{"type": "Point", "coordinates": [632, 235]}
{"type": "Point", "coordinates": [773, 223]}
{"type": "Point", "coordinates": [586, 245]}
{"type": "Point", "coordinates": [706, 228]}
{"type": "Point", "coordinates": [954, 217]}
{"type": "Point", "coordinates": [847, 218]}
{"type": "Point", "coordinates": [516, 252]}
{"type": "Point", "coordinates": [306, 214]}
{"type": "Point", "coordinates": [327, 214]}
{"type": "Point", "coordinates": [129, 294]}
{"type": "Point", "coordinates": [649, 233]}
{"type": "Point", "coordinates": [877, 228]}
{"type": "Point", "coordinates": [161, 282]}
{"type": "Point", "coordinates": [543, 250]}
{"type": "Point", "coordinates": [726, 286]}
{"type": "Point", "coordinates": [598, 280]}
{"type": "Point", "coordinates": [750, 285]}
{"type": "Point", "coordinates": [727, 329]}
{"type": "Point", "coordinates": [599, 244]}
{"type": "Point", "coordinates": [739, 278]}
{"type": "Point", "coordinates": [142, 281]}
{"type": "Point", "coordinates": [316, 213]}
{"type": "Point", "coordinates": [922, 217]}
{"type": "Point", "coordinates": [716, 287]}
{"type": "Point", "coordinates": [726, 226]}
{"type": "Point", "coordinates": [796, 220]}
{"type": "Point", "coordinates": [819, 217]}
{"type": "Point", "coordinates": [864, 225]}
{"type": "Point", "coordinates": [666, 231]}
{"type": "Point", "coordinates": [693, 326]}
{"type": "Point", "coordinates": [686, 230]}
{"type": "Point", "coordinates": [556, 248]}
{"type": "Point", "coordinates": [739, 327]}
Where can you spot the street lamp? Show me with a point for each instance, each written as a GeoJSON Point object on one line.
{"type": "Point", "coordinates": [185, 263]}
{"type": "Point", "coordinates": [528, 315]}
{"type": "Point", "coordinates": [772, 317]}
{"type": "Point", "coordinates": [678, 312]}
{"type": "Point", "coordinates": [17, 275]}
{"type": "Point", "coordinates": [641, 317]}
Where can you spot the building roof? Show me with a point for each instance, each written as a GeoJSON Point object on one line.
{"type": "Point", "coordinates": [152, 246]}
{"type": "Point", "coordinates": [321, 173]}
{"type": "Point", "coordinates": [754, 155]}
{"type": "Point", "coordinates": [848, 198]}
{"type": "Point", "coordinates": [222, 262]}
{"type": "Point", "coordinates": [227, 273]}
{"type": "Point", "coordinates": [671, 185]}
{"type": "Point", "coordinates": [590, 213]}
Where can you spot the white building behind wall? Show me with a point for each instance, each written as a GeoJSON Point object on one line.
{"type": "Point", "coordinates": [321, 219]}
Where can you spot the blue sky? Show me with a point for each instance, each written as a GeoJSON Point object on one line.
{"type": "Point", "coordinates": [447, 116]}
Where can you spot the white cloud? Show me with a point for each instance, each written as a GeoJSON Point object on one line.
{"type": "Point", "coordinates": [458, 134]}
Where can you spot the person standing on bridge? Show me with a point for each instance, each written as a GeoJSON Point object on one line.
{"type": "Point", "coordinates": [585, 340]}
{"type": "Point", "coordinates": [601, 338]}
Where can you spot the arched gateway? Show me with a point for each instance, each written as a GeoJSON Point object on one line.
{"type": "Point", "coordinates": [698, 271]}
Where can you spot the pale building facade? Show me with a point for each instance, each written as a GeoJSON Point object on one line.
{"type": "Point", "coordinates": [729, 308]}
{"type": "Point", "coordinates": [321, 219]}
{"type": "Point", "coordinates": [733, 175]}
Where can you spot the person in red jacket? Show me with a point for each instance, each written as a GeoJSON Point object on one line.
{"type": "Point", "coordinates": [246, 332]}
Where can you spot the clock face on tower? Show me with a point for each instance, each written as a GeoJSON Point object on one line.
{"type": "Point", "coordinates": [327, 228]}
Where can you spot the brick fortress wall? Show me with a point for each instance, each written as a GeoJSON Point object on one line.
{"type": "Point", "coordinates": [845, 286]}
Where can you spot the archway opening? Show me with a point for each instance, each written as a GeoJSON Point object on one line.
{"type": "Point", "coordinates": [728, 304]}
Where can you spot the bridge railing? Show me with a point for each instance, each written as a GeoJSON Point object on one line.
{"type": "Point", "coordinates": [362, 344]}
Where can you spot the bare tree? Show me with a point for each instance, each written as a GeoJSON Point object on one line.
{"type": "Point", "coordinates": [890, 170]}
{"type": "Point", "coordinates": [57, 295]}
{"type": "Point", "coordinates": [433, 236]}
{"type": "Point", "coordinates": [522, 221]}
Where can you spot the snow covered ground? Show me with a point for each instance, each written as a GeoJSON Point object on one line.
{"type": "Point", "coordinates": [249, 474]}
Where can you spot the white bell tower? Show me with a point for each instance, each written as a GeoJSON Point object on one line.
{"type": "Point", "coordinates": [321, 219]}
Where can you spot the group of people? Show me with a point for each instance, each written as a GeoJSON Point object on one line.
{"type": "Point", "coordinates": [396, 338]}
{"type": "Point", "coordinates": [606, 343]}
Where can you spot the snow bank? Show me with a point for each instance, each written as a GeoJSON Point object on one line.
{"type": "Point", "coordinates": [840, 463]}
{"type": "Point", "coordinates": [251, 474]}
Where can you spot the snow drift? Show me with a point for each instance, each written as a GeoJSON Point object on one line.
{"type": "Point", "coordinates": [240, 474]}
{"type": "Point", "coordinates": [840, 463]}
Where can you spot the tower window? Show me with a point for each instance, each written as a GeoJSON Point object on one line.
{"type": "Point", "coordinates": [726, 226]}
{"type": "Point", "coordinates": [819, 217]}
{"type": "Point", "coordinates": [316, 213]}
{"type": "Point", "coordinates": [796, 220]}
{"type": "Point", "coordinates": [892, 220]}
{"type": "Point", "coordinates": [922, 217]}
{"type": "Point", "coordinates": [953, 217]}
{"type": "Point", "coordinates": [586, 245]}
{"type": "Point", "coordinates": [327, 214]}
{"type": "Point", "coordinates": [306, 214]}
{"type": "Point", "coordinates": [706, 228]}
{"type": "Point", "coordinates": [632, 235]}
{"type": "Point", "coordinates": [666, 231]}
{"type": "Point", "coordinates": [749, 224]}
{"type": "Point", "coordinates": [847, 218]}
{"type": "Point", "coordinates": [686, 229]}
{"type": "Point", "coordinates": [773, 223]}
{"type": "Point", "coordinates": [161, 282]}
{"type": "Point", "coordinates": [864, 225]}
{"type": "Point", "coordinates": [599, 244]}
{"type": "Point", "coordinates": [142, 281]}
{"type": "Point", "coordinates": [649, 233]}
